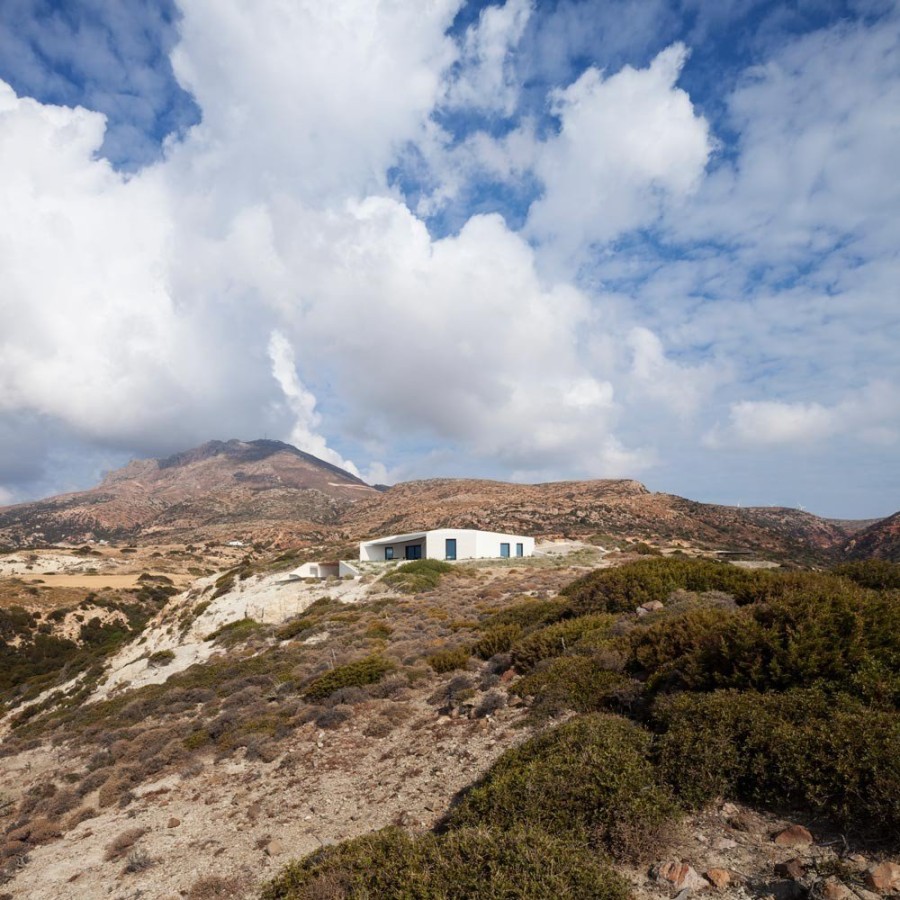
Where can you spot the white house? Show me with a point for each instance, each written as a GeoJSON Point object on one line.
{"type": "Point", "coordinates": [447, 543]}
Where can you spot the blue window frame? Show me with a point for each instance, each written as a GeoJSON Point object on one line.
{"type": "Point", "coordinates": [504, 551]}
{"type": "Point", "coordinates": [450, 548]}
{"type": "Point", "coordinates": [388, 552]}
{"type": "Point", "coordinates": [414, 551]}
{"type": "Point", "coordinates": [520, 549]}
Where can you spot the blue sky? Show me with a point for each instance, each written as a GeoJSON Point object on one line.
{"type": "Point", "coordinates": [523, 240]}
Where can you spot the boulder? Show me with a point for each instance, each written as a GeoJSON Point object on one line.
{"type": "Point", "coordinates": [883, 877]}
{"type": "Point", "coordinates": [679, 875]}
{"type": "Point", "coordinates": [832, 889]}
{"type": "Point", "coordinates": [793, 836]}
{"type": "Point", "coordinates": [718, 878]}
{"type": "Point", "coordinates": [792, 868]}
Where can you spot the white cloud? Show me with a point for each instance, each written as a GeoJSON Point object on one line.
{"type": "Point", "coordinates": [871, 414]}
{"type": "Point", "coordinates": [302, 402]}
{"type": "Point", "coordinates": [487, 80]}
{"type": "Point", "coordinates": [627, 145]}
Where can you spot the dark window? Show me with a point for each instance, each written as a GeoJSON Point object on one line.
{"type": "Point", "coordinates": [451, 548]}
{"type": "Point", "coordinates": [504, 551]}
{"type": "Point", "coordinates": [414, 551]}
{"type": "Point", "coordinates": [388, 552]}
{"type": "Point", "coordinates": [520, 549]}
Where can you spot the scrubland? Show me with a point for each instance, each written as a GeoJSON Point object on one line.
{"type": "Point", "coordinates": [484, 731]}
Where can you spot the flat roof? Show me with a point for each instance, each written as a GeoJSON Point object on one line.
{"type": "Point", "coordinates": [394, 538]}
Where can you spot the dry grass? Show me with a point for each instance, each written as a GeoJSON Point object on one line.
{"type": "Point", "coordinates": [120, 845]}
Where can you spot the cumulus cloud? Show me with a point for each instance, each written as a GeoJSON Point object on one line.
{"type": "Point", "coordinates": [302, 402]}
{"type": "Point", "coordinates": [626, 145]}
{"type": "Point", "coordinates": [872, 414]}
{"type": "Point", "coordinates": [486, 79]}
{"type": "Point", "coordinates": [267, 274]}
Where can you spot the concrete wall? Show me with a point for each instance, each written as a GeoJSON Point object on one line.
{"type": "Point", "coordinates": [470, 544]}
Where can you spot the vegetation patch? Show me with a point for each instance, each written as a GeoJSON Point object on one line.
{"type": "Point", "coordinates": [356, 674]}
{"type": "Point", "coordinates": [235, 632]}
{"type": "Point", "coordinates": [419, 576]}
{"type": "Point", "coordinates": [448, 660]}
{"type": "Point", "coordinates": [804, 748]}
{"type": "Point", "coordinates": [524, 863]}
{"type": "Point", "coordinates": [590, 780]}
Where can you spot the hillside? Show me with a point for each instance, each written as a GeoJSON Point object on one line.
{"type": "Point", "coordinates": [259, 489]}
{"type": "Point", "coordinates": [271, 493]}
{"type": "Point", "coordinates": [585, 726]}
{"type": "Point", "coordinates": [601, 509]}
{"type": "Point", "coordinates": [881, 540]}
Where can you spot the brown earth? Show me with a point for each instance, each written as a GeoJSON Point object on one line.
{"type": "Point", "coordinates": [270, 493]}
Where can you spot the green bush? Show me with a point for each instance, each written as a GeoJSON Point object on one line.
{"type": "Point", "coordinates": [556, 639]}
{"type": "Point", "coordinates": [877, 574]}
{"type": "Point", "coordinates": [526, 864]}
{"type": "Point", "coordinates": [356, 674]}
{"type": "Point", "coordinates": [804, 748]}
{"type": "Point", "coordinates": [590, 780]}
{"type": "Point", "coordinates": [418, 576]}
{"type": "Point", "coordinates": [820, 630]}
{"type": "Point", "coordinates": [235, 632]}
{"type": "Point", "coordinates": [528, 614]}
{"type": "Point", "coordinates": [449, 660]}
{"type": "Point", "coordinates": [624, 588]}
{"type": "Point", "coordinates": [310, 619]}
{"type": "Point", "coordinates": [497, 639]}
{"type": "Point", "coordinates": [160, 658]}
{"type": "Point", "coordinates": [572, 682]}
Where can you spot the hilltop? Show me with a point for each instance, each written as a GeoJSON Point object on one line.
{"type": "Point", "coordinates": [272, 493]}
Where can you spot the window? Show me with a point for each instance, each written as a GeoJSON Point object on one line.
{"type": "Point", "coordinates": [414, 551]}
{"type": "Point", "coordinates": [504, 551]}
{"type": "Point", "coordinates": [520, 549]}
{"type": "Point", "coordinates": [450, 548]}
{"type": "Point", "coordinates": [388, 552]}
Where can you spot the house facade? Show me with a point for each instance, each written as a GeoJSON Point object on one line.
{"type": "Point", "coordinates": [447, 544]}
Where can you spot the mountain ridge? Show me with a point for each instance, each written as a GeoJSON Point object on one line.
{"type": "Point", "coordinates": [273, 492]}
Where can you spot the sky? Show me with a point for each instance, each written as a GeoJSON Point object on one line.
{"type": "Point", "coordinates": [656, 239]}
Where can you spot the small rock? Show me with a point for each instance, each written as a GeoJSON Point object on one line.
{"type": "Point", "coordinates": [883, 877]}
{"type": "Point", "coordinates": [173, 822]}
{"type": "Point", "coordinates": [832, 889]}
{"type": "Point", "coordinates": [718, 878]}
{"type": "Point", "coordinates": [792, 868]}
{"type": "Point", "coordinates": [273, 848]}
{"type": "Point", "coordinates": [508, 675]}
{"type": "Point", "coordinates": [641, 611]}
{"type": "Point", "coordinates": [793, 836]}
{"type": "Point", "coordinates": [652, 605]}
{"type": "Point", "coordinates": [725, 843]}
{"type": "Point", "coordinates": [679, 875]}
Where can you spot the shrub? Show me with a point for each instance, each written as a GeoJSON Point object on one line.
{"type": "Point", "coordinates": [590, 780]}
{"type": "Point", "coordinates": [877, 574]}
{"type": "Point", "coordinates": [120, 845]}
{"type": "Point", "coordinates": [556, 639]}
{"type": "Point", "coordinates": [830, 754]}
{"type": "Point", "coordinates": [624, 588]}
{"type": "Point", "coordinates": [522, 863]}
{"type": "Point", "coordinates": [578, 683]}
{"type": "Point", "coordinates": [234, 632]}
{"type": "Point", "coordinates": [497, 639]}
{"type": "Point", "coordinates": [160, 658]}
{"type": "Point", "coordinates": [369, 670]}
{"type": "Point", "coordinates": [821, 630]}
{"type": "Point", "coordinates": [418, 576]}
{"type": "Point", "coordinates": [528, 614]}
{"type": "Point", "coordinates": [449, 660]}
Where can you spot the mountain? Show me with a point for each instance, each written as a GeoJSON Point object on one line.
{"type": "Point", "coordinates": [881, 540]}
{"type": "Point", "coordinates": [221, 488]}
{"type": "Point", "coordinates": [270, 491]}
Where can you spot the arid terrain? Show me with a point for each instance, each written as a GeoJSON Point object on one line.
{"type": "Point", "coordinates": [180, 718]}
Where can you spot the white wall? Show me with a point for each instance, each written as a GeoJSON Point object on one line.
{"type": "Point", "coordinates": [470, 544]}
